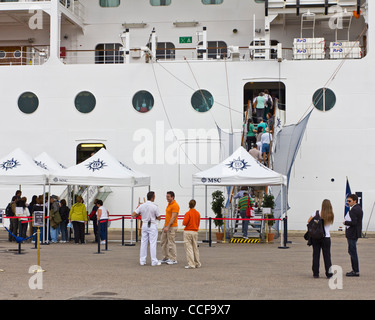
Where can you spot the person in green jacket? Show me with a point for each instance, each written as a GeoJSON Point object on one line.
{"type": "Point", "coordinates": [78, 218]}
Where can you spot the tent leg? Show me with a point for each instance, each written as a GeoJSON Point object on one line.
{"type": "Point", "coordinates": [282, 243]}
{"type": "Point", "coordinates": [205, 209]}
{"type": "Point", "coordinates": [131, 244]}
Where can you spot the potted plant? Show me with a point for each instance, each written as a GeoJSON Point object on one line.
{"type": "Point", "coordinates": [269, 202]}
{"type": "Point", "coordinates": [216, 205]}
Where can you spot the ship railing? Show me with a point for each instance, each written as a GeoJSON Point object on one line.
{"type": "Point", "coordinates": [113, 56]}
{"type": "Point", "coordinates": [139, 55]}
{"type": "Point", "coordinates": [38, 55]}
{"type": "Point", "coordinates": [76, 7]}
{"type": "Point", "coordinates": [27, 55]}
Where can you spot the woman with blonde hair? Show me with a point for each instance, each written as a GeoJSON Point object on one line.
{"type": "Point", "coordinates": [326, 213]}
{"type": "Point", "coordinates": [78, 218]}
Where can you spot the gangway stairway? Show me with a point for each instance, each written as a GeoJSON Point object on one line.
{"type": "Point", "coordinates": [255, 228]}
{"type": "Point", "coordinates": [88, 193]}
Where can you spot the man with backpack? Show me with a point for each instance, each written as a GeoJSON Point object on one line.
{"type": "Point", "coordinates": [10, 212]}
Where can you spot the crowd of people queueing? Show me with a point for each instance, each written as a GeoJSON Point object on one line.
{"type": "Point", "coordinates": [259, 132]}
{"type": "Point", "coordinates": [61, 218]}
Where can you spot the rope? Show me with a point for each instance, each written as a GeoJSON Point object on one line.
{"type": "Point", "coordinates": [19, 239]}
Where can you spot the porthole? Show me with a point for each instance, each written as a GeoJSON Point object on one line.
{"type": "Point", "coordinates": [17, 54]}
{"type": "Point", "coordinates": [202, 100]}
{"type": "Point", "coordinates": [3, 54]}
{"type": "Point", "coordinates": [28, 102]}
{"type": "Point", "coordinates": [324, 99]}
{"type": "Point", "coordinates": [143, 101]}
{"type": "Point", "coordinates": [85, 102]}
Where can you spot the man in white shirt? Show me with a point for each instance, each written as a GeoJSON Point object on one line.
{"type": "Point", "coordinates": [149, 212]}
{"type": "Point", "coordinates": [266, 142]}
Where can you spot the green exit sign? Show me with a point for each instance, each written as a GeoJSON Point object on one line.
{"type": "Point", "coordinates": [186, 39]}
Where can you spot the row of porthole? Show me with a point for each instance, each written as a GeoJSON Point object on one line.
{"type": "Point", "coordinates": [142, 101]}
{"type": "Point", "coordinates": [16, 54]}
{"type": "Point", "coordinates": [324, 99]}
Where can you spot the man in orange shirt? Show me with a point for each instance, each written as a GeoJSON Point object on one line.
{"type": "Point", "coordinates": [191, 222]}
{"type": "Point", "coordinates": [168, 235]}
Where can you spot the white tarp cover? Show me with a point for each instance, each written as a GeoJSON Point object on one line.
{"type": "Point", "coordinates": [20, 168]}
{"type": "Point", "coordinates": [101, 169]}
{"type": "Point", "coordinates": [239, 169]}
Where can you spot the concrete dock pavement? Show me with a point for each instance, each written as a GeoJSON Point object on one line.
{"type": "Point", "coordinates": [240, 271]}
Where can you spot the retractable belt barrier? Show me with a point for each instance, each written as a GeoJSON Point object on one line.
{"type": "Point", "coordinates": [129, 217]}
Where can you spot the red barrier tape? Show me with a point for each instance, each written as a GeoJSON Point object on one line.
{"type": "Point", "coordinates": [127, 217]}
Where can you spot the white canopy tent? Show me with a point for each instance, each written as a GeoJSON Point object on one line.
{"type": "Point", "coordinates": [239, 169]}
{"type": "Point", "coordinates": [19, 168]}
{"type": "Point", "coordinates": [101, 169]}
{"type": "Point", "coordinates": [45, 161]}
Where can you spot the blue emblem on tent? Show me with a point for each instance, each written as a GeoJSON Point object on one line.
{"type": "Point", "coordinates": [10, 164]}
{"type": "Point", "coordinates": [96, 165]}
{"type": "Point", "coordinates": [238, 164]}
{"type": "Point", "coordinates": [41, 164]}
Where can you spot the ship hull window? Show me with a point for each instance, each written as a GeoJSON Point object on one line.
{"type": "Point", "coordinates": [108, 53]}
{"type": "Point", "coordinates": [324, 99]}
{"type": "Point", "coordinates": [215, 50]}
{"type": "Point", "coordinates": [28, 102]}
{"type": "Point", "coordinates": [158, 3]}
{"type": "Point", "coordinates": [85, 102]}
{"type": "Point", "coordinates": [212, 1]}
{"type": "Point", "coordinates": [202, 101]}
{"type": "Point", "coordinates": [143, 101]}
{"type": "Point", "coordinates": [109, 3]}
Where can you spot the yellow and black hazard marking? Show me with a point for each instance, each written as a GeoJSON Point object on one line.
{"type": "Point", "coordinates": [242, 240]}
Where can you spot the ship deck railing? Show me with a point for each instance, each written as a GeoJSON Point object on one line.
{"type": "Point", "coordinates": [75, 7]}
{"type": "Point", "coordinates": [38, 55]}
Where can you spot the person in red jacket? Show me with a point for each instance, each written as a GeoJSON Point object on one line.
{"type": "Point", "coordinates": [191, 222]}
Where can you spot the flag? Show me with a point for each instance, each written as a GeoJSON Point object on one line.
{"type": "Point", "coordinates": [347, 193]}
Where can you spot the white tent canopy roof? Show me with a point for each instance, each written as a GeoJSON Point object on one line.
{"type": "Point", "coordinates": [20, 168]}
{"type": "Point", "coordinates": [239, 169]}
{"type": "Point", "coordinates": [45, 161]}
{"type": "Point", "coordinates": [101, 169]}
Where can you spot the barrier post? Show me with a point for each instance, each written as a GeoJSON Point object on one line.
{"type": "Point", "coordinates": [209, 233]}
{"type": "Point", "coordinates": [106, 235]}
{"type": "Point", "coordinates": [38, 254]}
{"type": "Point", "coordinates": [123, 230]}
{"type": "Point", "coordinates": [98, 237]}
{"type": "Point", "coordinates": [285, 231]}
{"type": "Point", "coordinates": [131, 244]}
{"type": "Point", "coordinates": [38, 245]}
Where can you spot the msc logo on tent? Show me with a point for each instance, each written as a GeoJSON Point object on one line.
{"type": "Point", "coordinates": [211, 180]}
{"type": "Point", "coordinates": [238, 164]}
{"type": "Point", "coordinates": [10, 164]}
{"type": "Point", "coordinates": [96, 165]}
